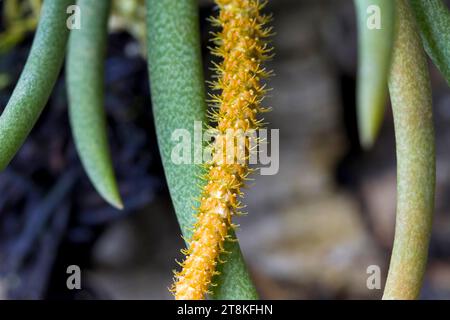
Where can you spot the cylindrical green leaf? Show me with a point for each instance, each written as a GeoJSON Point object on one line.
{"type": "Point", "coordinates": [376, 21]}
{"type": "Point", "coordinates": [178, 98]}
{"type": "Point", "coordinates": [85, 83]}
{"type": "Point", "coordinates": [433, 18]}
{"type": "Point", "coordinates": [37, 79]}
{"type": "Point", "coordinates": [410, 91]}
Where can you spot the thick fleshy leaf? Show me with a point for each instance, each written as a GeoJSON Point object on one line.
{"type": "Point", "coordinates": [37, 79]}
{"type": "Point", "coordinates": [85, 83]}
{"type": "Point", "coordinates": [376, 21]}
{"type": "Point", "coordinates": [433, 18]}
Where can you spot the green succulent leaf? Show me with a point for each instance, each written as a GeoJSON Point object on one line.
{"type": "Point", "coordinates": [410, 91]}
{"type": "Point", "coordinates": [375, 50]}
{"type": "Point", "coordinates": [85, 83]}
{"type": "Point", "coordinates": [36, 81]}
{"type": "Point", "coordinates": [433, 18]}
{"type": "Point", "coordinates": [178, 98]}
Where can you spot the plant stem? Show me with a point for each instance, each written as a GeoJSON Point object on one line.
{"type": "Point", "coordinates": [410, 92]}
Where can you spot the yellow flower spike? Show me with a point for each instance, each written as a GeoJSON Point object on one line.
{"type": "Point", "coordinates": [241, 46]}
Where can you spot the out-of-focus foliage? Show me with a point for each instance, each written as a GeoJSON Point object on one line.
{"type": "Point", "coordinates": [129, 15]}
{"type": "Point", "coordinates": [21, 17]}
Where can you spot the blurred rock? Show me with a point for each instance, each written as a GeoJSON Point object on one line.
{"type": "Point", "coordinates": [318, 245]}
{"type": "Point", "coordinates": [379, 197]}
{"type": "Point", "coordinates": [134, 259]}
{"type": "Point", "coordinates": [437, 282]}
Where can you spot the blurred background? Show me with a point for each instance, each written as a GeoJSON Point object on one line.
{"type": "Point", "coordinates": [312, 229]}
